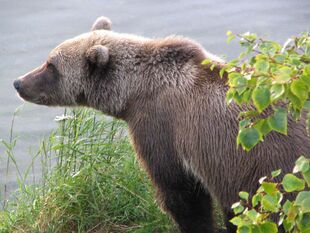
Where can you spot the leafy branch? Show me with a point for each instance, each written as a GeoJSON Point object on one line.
{"type": "Point", "coordinates": [270, 81]}
{"type": "Point", "coordinates": [254, 214]}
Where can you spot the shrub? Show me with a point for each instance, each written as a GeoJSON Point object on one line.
{"type": "Point", "coordinates": [270, 81]}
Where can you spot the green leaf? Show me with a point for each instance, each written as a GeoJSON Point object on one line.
{"type": "Point", "coordinates": [270, 188]}
{"type": "Point", "coordinates": [276, 173]}
{"type": "Point", "coordinates": [232, 77]}
{"type": "Point", "coordinates": [269, 47]}
{"type": "Point", "coordinates": [286, 207]}
{"type": "Point", "coordinates": [228, 33]}
{"type": "Point", "coordinates": [222, 71]}
{"type": "Point", "coordinates": [306, 70]}
{"type": "Point", "coordinates": [246, 96]}
{"type": "Point", "coordinates": [261, 98]}
{"type": "Point", "coordinates": [294, 99]}
{"type": "Point", "coordinates": [276, 91]}
{"type": "Point", "coordinates": [237, 208]}
{"type": "Point", "coordinates": [279, 58]}
{"type": "Point", "coordinates": [236, 221]}
{"type": "Point", "coordinates": [244, 123]}
{"type": "Point", "coordinates": [252, 214]}
{"type": "Point", "coordinates": [291, 183]}
{"type": "Point", "coordinates": [303, 200]}
{"type": "Point", "coordinates": [288, 225]}
{"type": "Point", "coordinates": [283, 75]}
{"type": "Point", "coordinates": [252, 60]}
{"type": "Point", "coordinates": [262, 66]}
{"type": "Point", "coordinates": [306, 176]}
{"type": "Point", "coordinates": [295, 113]}
{"type": "Point", "coordinates": [256, 229]}
{"type": "Point", "coordinates": [300, 90]}
{"type": "Point", "coordinates": [240, 84]}
{"type": "Point", "coordinates": [278, 121]}
{"type": "Point", "coordinates": [237, 98]}
{"type": "Point", "coordinates": [241, 56]}
{"type": "Point", "coordinates": [306, 80]}
{"type": "Point", "coordinates": [301, 165]}
{"type": "Point", "coordinates": [230, 96]}
{"type": "Point", "coordinates": [304, 223]}
{"type": "Point", "coordinates": [256, 199]}
{"type": "Point", "coordinates": [230, 38]}
{"type": "Point", "coordinates": [248, 138]}
{"type": "Point", "coordinates": [301, 197]}
{"type": "Point", "coordinates": [307, 105]}
{"type": "Point", "coordinates": [292, 213]}
{"type": "Point", "coordinates": [249, 36]}
{"type": "Point", "coordinates": [244, 229]}
{"type": "Point", "coordinates": [206, 62]}
{"type": "Point", "coordinates": [270, 203]}
{"type": "Point", "coordinates": [212, 67]}
{"type": "Point", "coordinates": [269, 227]}
{"type": "Point", "coordinates": [294, 60]}
{"type": "Point", "coordinates": [262, 126]}
{"type": "Point", "coordinates": [305, 205]}
{"type": "Point", "coordinates": [244, 195]}
{"type": "Point", "coordinates": [262, 80]}
{"type": "Point", "coordinates": [307, 51]}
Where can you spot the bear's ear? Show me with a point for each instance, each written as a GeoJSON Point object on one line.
{"type": "Point", "coordinates": [98, 55]}
{"type": "Point", "coordinates": [102, 23]}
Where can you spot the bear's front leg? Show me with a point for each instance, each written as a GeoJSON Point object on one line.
{"type": "Point", "coordinates": [182, 196]}
{"type": "Point", "coordinates": [178, 191]}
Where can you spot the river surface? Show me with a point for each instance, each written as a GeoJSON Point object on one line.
{"type": "Point", "coordinates": [30, 29]}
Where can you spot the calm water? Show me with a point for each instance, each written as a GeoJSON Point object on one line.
{"type": "Point", "coordinates": [30, 29]}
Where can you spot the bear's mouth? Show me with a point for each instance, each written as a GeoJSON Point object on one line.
{"type": "Point", "coordinates": [40, 99]}
{"type": "Point", "coordinates": [19, 96]}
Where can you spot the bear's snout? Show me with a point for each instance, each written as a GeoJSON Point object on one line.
{"type": "Point", "coordinates": [17, 84]}
{"type": "Point", "coordinates": [39, 86]}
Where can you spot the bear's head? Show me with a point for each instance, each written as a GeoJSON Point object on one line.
{"type": "Point", "coordinates": [88, 70]}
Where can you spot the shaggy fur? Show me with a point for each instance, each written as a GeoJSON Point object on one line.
{"type": "Point", "coordinates": [182, 130]}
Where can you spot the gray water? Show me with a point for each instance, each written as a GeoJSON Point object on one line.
{"type": "Point", "coordinates": [30, 29]}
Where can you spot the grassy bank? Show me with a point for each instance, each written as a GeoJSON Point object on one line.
{"type": "Point", "coordinates": [90, 182]}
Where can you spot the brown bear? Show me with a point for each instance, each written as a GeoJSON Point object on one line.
{"type": "Point", "coordinates": [183, 132]}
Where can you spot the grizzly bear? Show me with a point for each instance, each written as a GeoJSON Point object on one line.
{"type": "Point", "coordinates": [183, 132]}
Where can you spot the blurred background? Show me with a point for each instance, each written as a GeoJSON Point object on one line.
{"type": "Point", "coordinates": [30, 29]}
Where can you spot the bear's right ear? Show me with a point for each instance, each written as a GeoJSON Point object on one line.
{"type": "Point", "coordinates": [102, 23]}
{"type": "Point", "coordinates": [98, 55]}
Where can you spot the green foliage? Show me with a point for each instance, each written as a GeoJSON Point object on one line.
{"type": "Point", "coordinates": [269, 81]}
{"type": "Point", "coordinates": [256, 214]}
{"type": "Point", "coordinates": [95, 184]}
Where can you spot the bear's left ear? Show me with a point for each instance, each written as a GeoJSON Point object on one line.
{"type": "Point", "coordinates": [102, 23]}
{"type": "Point", "coordinates": [98, 55]}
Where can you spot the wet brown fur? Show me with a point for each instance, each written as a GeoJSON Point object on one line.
{"type": "Point", "coordinates": [181, 128]}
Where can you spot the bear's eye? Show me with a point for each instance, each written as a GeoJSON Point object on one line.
{"type": "Point", "coordinates": [50, 66]}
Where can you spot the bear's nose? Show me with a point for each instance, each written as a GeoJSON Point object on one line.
{"type": "Point", "coordinates": [17, 85]}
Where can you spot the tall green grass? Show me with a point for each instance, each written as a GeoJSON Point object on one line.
{"type": "Point", "coordinates": [90, 182]}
